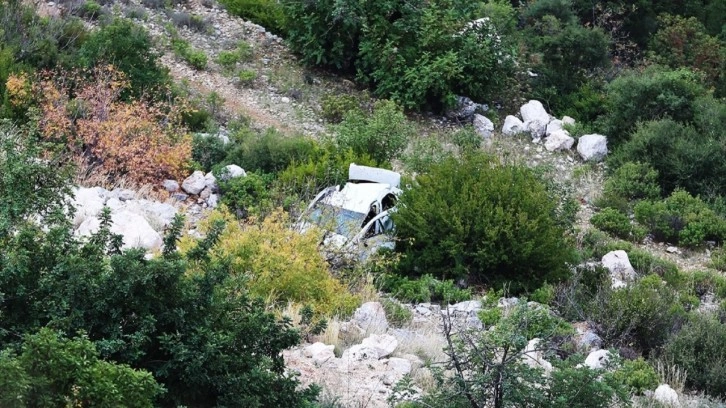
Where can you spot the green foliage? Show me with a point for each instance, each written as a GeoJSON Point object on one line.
{"type": "Point", "coordinates": [397, 314]}
{"type": "Point", "coordinates": [52, 370]}
{"type": "Point", "coordinates": [267, 13]}
{"type": "Point", "coordinates": [684, 156]}
{"type": "Point", "coordinates": [544, 294]}
{"type": "Point", "coordinates": [423, 152]}
{"type": "Point", "coordinates": [128, 47]}
{"type": "Point", "coordinates": [229, 59]}
{"type": "Point", "coordinates": [653, 94]}
{"type": "Point", "coordinates": [684, 42]}
{"type": "Point", "coordinates": [618, 224]}
{"type": "Point", "coordinates": [383, 134]}
{"type": "Point", "coordinates": [632, 181]}
{"type": "Point", "coordinates": [208, 150]}
{"type": "Point", "coordinates": [335, 107]}
{"type": "Point", "coordinates": [420, 54]}
{"type": "Point", "coordinates": [681, 219]}
{"type": "Point", "coordinates": [247, 77]}
{"type": "Point", "coordinates": [718, 259]}
{"type": "Point", "coordinates": [637, 375]}
{"type": "Point", "coordinates": [248, 195]}
{"type": "Point", "coordinates": [481, 221]}
{"type": "Point", "coordinates": [269, 151]}
{"type": "Point", "coordinates": [30, 186]}
{"type": "Point", "coordinates": [424, 289]}
{"type": "Point", "coordinates": [641, 315]}
{"type": "Point", "coordinates": [700, 349]}
{"type": "Point", "coordinates": [466, 139]}
{"type": "Point", "coordinates": [194, 57]}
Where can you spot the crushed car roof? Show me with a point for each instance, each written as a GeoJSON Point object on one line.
{"type": "Point", "coordinates": [358, 197]}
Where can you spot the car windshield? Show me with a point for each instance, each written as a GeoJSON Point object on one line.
{"type": "Point", "coordinates": [341, 221]}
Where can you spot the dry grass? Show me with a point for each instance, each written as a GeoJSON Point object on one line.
{"type": "Point", "coordinates": [672, 375]}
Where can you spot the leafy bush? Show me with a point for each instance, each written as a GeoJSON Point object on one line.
{"type": "Point", "coordinates": [383, 134]}
{"type": "Point", "coordinates": [191, 21]}
{"type": "Point", "coordinates": [481, 221]}
{"type": "Point", "coordinates": [280, 264]}
{"type": "Point", "coordinates": [142, 141]}
{"type": "Point", "coordinates": [194, 57]}
{"type": "Point", "coordinates": [653, 94]}
{"type": "Point", "coordinates": [637, 375]}
{"type": "Point", "coordinates": [700, 349]}
{"type": "Point", "coordinates": [424, 152]}
{"type": "Point", "coordinates": [641, 316]}
{"type": "Point", "coordinates": [54, 371]}
{"type": "Point", "coordinates": [633, 181]}
{"type": "Point", "coordinates": [247, 196]}
{"type": "Point", "coordinates": [421, 56]}
{"type": "Point", "coordinates": [128, 47]}
{"type": "Point", "coordinates": [396, 313]}
{"type": "Point", "coordinates": [269, 151]}
{"type": "Point", "coordinates": [267, 13]}
{"type": "Point", "coordinates": [208, 150]}
{"type": "Point", "coordinates": [228, 59]}
{"type": "Point", "coordinates": [424, 289]}
{"type": "Point", "coordinates": [681, 219]}
{"type": "Point", "coordinates": [684, 156]}
{"type": "Point", "coordinates": [336, 107]}
{"type": "Point", "coordinates": [618, 224]}
{"type": "Point", "coordinates": [247, 77]}
{"type": "Point", "coordinates": [718, 259]}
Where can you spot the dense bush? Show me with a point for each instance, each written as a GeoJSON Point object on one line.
{"type": "Point", "coordinates": [129, 48]}
{"type": "Point", "coordinates": [194, 57]}
{"type": "Point", "coordinates": [208, 150]}
{"type": "Point", "coordinates": [649, 95]}
{"type": "Point", "coordinates": [424, 289]}
{"type": "Point", "coordinates": [616, 223]}
{"type": "Point", "coordinates": [632, 181]}
{"type": "Point", "coordinates": [267, 13]}
{"type": "Point", "coordinates": [481, 221]}
{"type": "Point", "coordinates": [700, 349]}
{"type": "Point", "coordinates": [419, 54]}
{"type": "Point", "coordinates": [280, 264]}
{"type": "Point", "coordinates": [681, 219]}
{"type": "Point", "coordinates": [689, 157]}
{"type": "Point", "coordinates": [249, 195]}
{"type": "Point", "coordinates": [383, 134]}
{"type": "Point", "coordinates": [637, 375]}
{"type": "Point", "coordinates": [52, 370]}
{"type": "Point", "coordinates": [270, 151]}
{"type": "Point", "coordinates": [335, 107]}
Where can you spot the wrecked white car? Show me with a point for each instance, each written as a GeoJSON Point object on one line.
{"type": "Point", "coordinates": [355, 218]}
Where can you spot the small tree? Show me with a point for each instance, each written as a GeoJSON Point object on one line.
{"type": "Point", "coordinates": [482, 221]}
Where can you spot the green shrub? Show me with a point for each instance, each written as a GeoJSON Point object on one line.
{"type": "Point", "coordinates": [683, 157]}
{"type": "Point", "coordinates": [247, 196]}
{"type": "Point", "coordinates": [544, 294]}
{"type": "Point", "coordinates": [614, 222]}
{"type": "Point", "coordinates": [335, 107]}
{"type": "Point", "coordinates": [681, 219]}
{"type": "Point", "coordinates": [650, 95]}
{"type": "Point", "coordinates": [424, 152]}
{"type": "Point", "coordinates": [247, 77]}
{"type": "Point", "coordinates": [191, 21]}
{"type": "Point", "coordinates": [718, 259]}
{"type": "Point", "coordinates": [267, 13]}
{"type": "Point", "coordinates": [466, 139]}
{"type": "Point", "coordinates": [383, 134]}
{"type": "Point", "coordinates": [481, 221]}
{"type": "Point", "coordinates": [196, 58]}
{"type": "Point", "coordinates": [208, 150]}
{"type": "Point", "coordinates": [633, 181]}
{"type": "Point", "coordinates": [421, 57]}
{"type": "Point", "coordinates": [699, 348]}
{"type": "Point", "coordinates": [90, 10]}
{"type": "Point", "coordinates": [128, 47]}
{"type": "Point", "coordinates": [424, 289]}
{"type": "Point", "coordinates": [52, 370]}
{"type": "Point", "coordinates": [269, 151]}
{"type": "Point", "coordinates": [641, 315]}
{"type": "Point", "coordinates": [397, 314]}
{"type": "Point", "coordinates": [637, 375]}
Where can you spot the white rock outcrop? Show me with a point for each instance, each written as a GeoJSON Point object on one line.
{"type": "Point", "coordinates": [618, 264]}
{"type": "Point", "coordinates": [231, 171]}
{"type": "Point", "coordinates": [667, 396]}
{"type": "Point", "coordinates": [559, 141]}
{"type": "Point", "coordinates": [135, 230]}
{"type": "Point", "coordinates": [533, 111]}
{"type": "Point", "coordinates": [483, 126]}
{"type": "Point", "coordinates": [533, 356]}
{"type": "Point", "coordinates": [554, 126]}
{"type": "Point", "coordinates": [319, 352]}
{"type": "Point", "coordinates": [513, 126]}
{"type": "Point", "coordinates": [371, 317]}
{"type": "Point", "coordinates": [597, 360]}
{"type": "Point", "coordinates": [383, 344]}
{"type": "Point", "coordinates": [195, 183]}
{"type": "Point", "coordinates": [592, 147]}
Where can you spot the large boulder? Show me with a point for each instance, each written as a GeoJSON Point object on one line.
{"type": "Point", "coordinates": [360, 352]}
{"type": "Point", "coordinates": [210, 182]}
{"type": "Point", "coordinates": [592, 147]}
{"type": "Point", "coordinates": [195, 183]}
{"type": "Point", "coordinates": [598, 360]}
{"type": "Point", "coordinates": [483, 126]}
{"type": "Point", "coordinates": [463, 110]}
{"type": "Point", "coordinates": [666, 396]}
{"type": "Point", "coordinates": [383, 344]}
{"type": "Point", "coordinates": [533, 356]}
{"type": "Point", "coordinates": [555, 125]}
{"type": "Point", "coordinates": [536, 128]}
{"type": "Point", "coordinates": [319, 352]}
{"type": "Point", "coordinates": [231, 171]}
{"type": "Point", "coordinates": [558, 141]}
{"type": "Point", "coordinates": [371, 317]}
{"type": "Point", "coordinates": [170, 185]}
{"type": "Point", "coordinates": [533, 111]}
{"type": "Point", "coordinates": [88, 203]}
{"type": "Point", "coordinates": [133, 228]}
{"type": "Point", "coordinates": [513, 126]}
{"type": "Point", "coordinates": [618, 264]}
